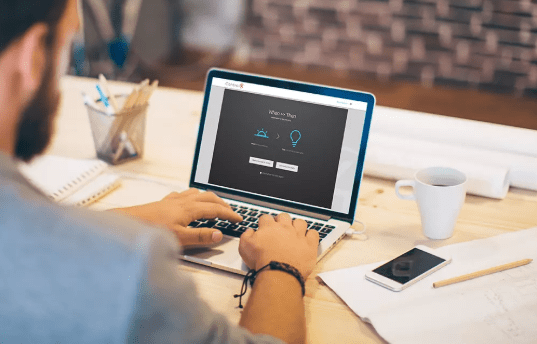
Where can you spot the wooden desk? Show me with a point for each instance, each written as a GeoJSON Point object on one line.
{"type": "Point", "coordinates": [393, 225]}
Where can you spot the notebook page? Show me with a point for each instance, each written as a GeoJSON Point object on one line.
{"type": "Point", "coordinates": [60, 177]}
{"type": "Point", "coordinates": [94, 190]}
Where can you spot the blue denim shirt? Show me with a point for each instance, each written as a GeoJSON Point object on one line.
{"type": "Point", "coordinates": [70, 275]}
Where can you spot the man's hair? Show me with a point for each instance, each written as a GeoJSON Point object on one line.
{"type": "Point", "coordinates": [17, 16]}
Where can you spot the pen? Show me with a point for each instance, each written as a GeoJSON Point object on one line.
{"type": "Point", "coordinates": [104, 84]}
{"type": "Point", "coordinates": [104, 100]}
{"type": "Point", "coordinates": [482, 273]}
{"type": "Point", "coordinates": [89, 101]}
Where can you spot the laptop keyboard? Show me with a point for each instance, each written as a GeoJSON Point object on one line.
{"type": "Point", "coordinates": [250, 220]}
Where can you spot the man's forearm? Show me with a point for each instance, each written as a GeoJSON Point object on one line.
{"type": "Point", "coordinates": [276, 307]}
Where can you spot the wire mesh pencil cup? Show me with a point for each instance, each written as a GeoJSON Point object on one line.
{"type": "Point", "coordinates": [118, 137]}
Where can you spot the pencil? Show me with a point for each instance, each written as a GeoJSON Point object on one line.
{"type": "Point", "coordinates": [482, 273]}
{"type": "Point", "coordinates": [142, 89]}
{"type": "Point", "coordinates": [149, 92]}
{"type": "Point", "coordinates": [131, 99]}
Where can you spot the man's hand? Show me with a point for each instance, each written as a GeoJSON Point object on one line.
{"type": "Point", "coordinates": [177, 210]}
{"type": "Point", "coordinates": [282, 240]}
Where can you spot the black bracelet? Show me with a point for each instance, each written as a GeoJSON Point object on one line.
{"type": "Point", "coordinates": [252, 274]}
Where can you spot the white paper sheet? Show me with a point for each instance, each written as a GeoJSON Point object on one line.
{"type": "Point", "coordinates": [498, 308]}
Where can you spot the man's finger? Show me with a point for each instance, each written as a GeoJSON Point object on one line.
{"type": "Point", "coordinates": [312, 237]}
{"type": "Point", "coordinates": [284, 219]}
{"type": "Point", "coordinates": [247, 234]}
{"type": "Point", "coordinates": [198, 236]}
{"type": "Point", "coordinates": [208, 210]}
{"type": "Point", "coordinates": [183, 194]}
{"type": "Point", "coordinates": [245, 248]}
{"type": "Point", "coordinates": [301, 226]}
{"type": "Point", "coordinates": [211, 197]}
{"type": "Point", "coordinates": [265, 220]}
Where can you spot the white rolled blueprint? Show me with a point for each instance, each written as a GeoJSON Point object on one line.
{"type": "Point", "coordinates": [455, 131]}
{"type": "Point", "coordinates": [494, 157]}
{"type": "Point", "coordinates": [399, 158]}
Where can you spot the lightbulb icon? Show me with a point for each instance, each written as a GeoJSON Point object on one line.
{"type": "Point", "coordinates": [295, 136]}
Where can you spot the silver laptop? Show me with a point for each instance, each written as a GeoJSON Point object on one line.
{"type": "Point", "coordinates": [269, 145]}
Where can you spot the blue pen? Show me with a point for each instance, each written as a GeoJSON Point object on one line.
{"type": "Point", "coordinates": [89, 101]}
{"type": "Point", "coordinates": [109, 109]}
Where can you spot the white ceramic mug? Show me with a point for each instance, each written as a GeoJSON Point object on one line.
{"type": "Point", "coordinates": [440, 194]}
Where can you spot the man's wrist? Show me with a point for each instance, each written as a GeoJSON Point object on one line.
{"type": "Point", "coordinates": [279, 277]}
{"type": "Point", "coordinates": [283, 268]}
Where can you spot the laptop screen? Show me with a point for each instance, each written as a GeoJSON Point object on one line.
{"type": "Point", "coordinates": [281, 144]}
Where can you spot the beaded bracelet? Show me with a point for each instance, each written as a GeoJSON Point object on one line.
{"type": "Point", "coordinates": [252, 274]}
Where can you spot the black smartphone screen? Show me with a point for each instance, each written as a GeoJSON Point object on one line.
{"type": "Point", "coordinates": [409, 265]}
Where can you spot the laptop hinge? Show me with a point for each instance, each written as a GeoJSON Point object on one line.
{"type": "Point", "coordinates": [273, 206]}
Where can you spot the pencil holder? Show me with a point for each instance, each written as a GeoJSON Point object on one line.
{"type": "Point", "coordinates": [118, 137]}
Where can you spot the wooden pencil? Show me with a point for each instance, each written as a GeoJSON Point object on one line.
{"type": "Point", "coordinates": [141, 92]}
{"type": "Point", "coordinates": [131, 99]}
{"type": "Point", "coordinates": [481, 273]}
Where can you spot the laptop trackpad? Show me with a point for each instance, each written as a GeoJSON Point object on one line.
{"type": "Point", "coordinates": [224, 254]}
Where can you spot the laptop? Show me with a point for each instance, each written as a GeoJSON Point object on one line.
{"type": "Point", "coordinates": [268, 145]}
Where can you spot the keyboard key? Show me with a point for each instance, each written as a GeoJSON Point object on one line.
{"type": "Point", "coordinates": [194, 224]}
{"type": "Point", "coordinates": [242, 211]}
{"type": "Point", "coordinates": [233, 205]}
{"type": "Point", "coordinates": [221, 226]}
{"type": "Point", "coordinates": [253, 213]}
{"type": "Point", "coordinates": [326, 230]}
{"type": "Point", "coordinates": [330, 227]}
{"type": "Point", "coordinates": [254, 226]}
{"type": "Point", "coordinates": [231, 233]}
{"type": "Point", "coordinates": [242, 229]}
{"type": "Point", "coordinates": [316, 228]}
{"type": "Point", "coordinates": [319, 224]}
{"type": "Point", "coordinates": [264, 212]}
{"type": "Point", "coordinates": [251, 219]}
{"type": "Point", "coordinates": [243, 207]}
{"type": "Point", "coordinates": [209, 224]}
{"type": "Point", "coordinates": [244, 223]}
{"type": "Point", "coordinates": [233, 227]}
{"type": "Point", "coordinates": [309, 222]}
{"type": "Point", "coordinates": [274, 214]}
{"type": "Point", "coordinates": [322, 235]}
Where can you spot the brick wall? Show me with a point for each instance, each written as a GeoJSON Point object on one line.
{"type": "Point", "coordinates": [484, 44]}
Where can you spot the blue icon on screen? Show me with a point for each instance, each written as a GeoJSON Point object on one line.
{"type": "Point", "coordinates": [295, 137]}
{"type": "Point", "coordinates": [262, 133]}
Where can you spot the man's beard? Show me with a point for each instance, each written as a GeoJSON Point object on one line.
{"type": "Point", "coordinates": [36, 122]}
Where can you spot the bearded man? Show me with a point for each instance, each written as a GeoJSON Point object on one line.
{"type": "Point", "coordinates": [74, 276]}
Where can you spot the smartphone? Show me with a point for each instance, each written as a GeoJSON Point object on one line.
{"type": "Point", "coordinates": [408, 268]}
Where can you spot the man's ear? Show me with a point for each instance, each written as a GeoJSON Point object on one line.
{"type": "Point", "coordinates": [31, 62]}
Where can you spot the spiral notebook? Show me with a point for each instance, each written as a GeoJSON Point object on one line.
{"type": "Point", "coordinates": [70, 181]}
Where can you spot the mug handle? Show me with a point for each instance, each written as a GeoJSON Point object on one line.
{"type": "Point", "coordinates": [401, 183]}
